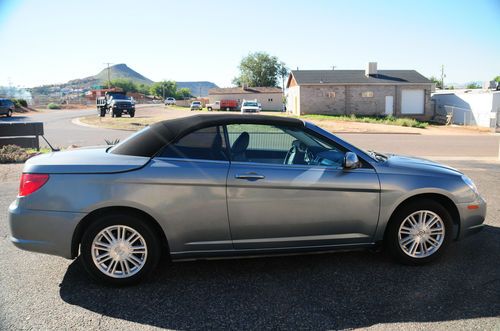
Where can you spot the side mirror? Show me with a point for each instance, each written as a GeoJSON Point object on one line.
{"type": "Point", "coordinates": [351, 161]}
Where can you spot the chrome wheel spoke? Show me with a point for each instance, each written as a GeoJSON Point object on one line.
{"type": "Point", "coordinates": [119, 251]}
{"type": "Point", "coordinates": [109, 236]}
{"type": "Point", "coordinates": [138, 249]}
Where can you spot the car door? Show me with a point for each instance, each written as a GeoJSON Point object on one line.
{"type": "Point", "coordinates": [278, 200]}
{"type": "Point", "coordinates": [190, 181]}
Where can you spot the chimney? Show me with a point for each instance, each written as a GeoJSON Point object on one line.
{"type": "Point", "coordinates": [371, 70]}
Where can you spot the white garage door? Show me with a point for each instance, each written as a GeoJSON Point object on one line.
{"type": "Point", "coordinates": [412, 101]}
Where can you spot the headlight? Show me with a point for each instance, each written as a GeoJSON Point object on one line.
{"type": "Point", "coordinates": [470, 184]}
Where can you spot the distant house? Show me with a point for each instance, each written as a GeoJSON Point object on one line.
{"type": "Point", "coordinates": [401, 93]}
{"type": "Point", "coordinates": [269, 97]}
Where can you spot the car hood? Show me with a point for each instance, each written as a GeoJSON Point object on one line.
{"type": "Point", "coordinates": [409, 163]}
{"type": "Point", "coordinates": [93, 160]}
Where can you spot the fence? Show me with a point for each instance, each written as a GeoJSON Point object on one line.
{"type": "Point", "coordinates": [24, 134]}
{"type": "Point", "coordinates": [278, 141]}
{"type": "Point", "coordinates": [460, 116]}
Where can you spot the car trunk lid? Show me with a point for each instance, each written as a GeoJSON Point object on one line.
{"type": "Point", "coordinates": [92, 160]}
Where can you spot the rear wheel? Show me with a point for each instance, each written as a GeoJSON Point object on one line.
{"type": "Point", "coordinates": [120, 250]}
{"type": "Point", "coordinates": [9, 113]}
{"type": "Point", "coordinates": [132, 113]}
{"type": "Point", "coordinates": [419, 232]}
{"type": "Point", "coordinates": [102, 112]}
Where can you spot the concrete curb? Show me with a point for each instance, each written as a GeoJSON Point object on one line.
{"type": "Point", "coordinates": [77, 121]}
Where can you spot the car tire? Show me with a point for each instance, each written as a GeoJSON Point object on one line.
{"type": "Point", "coordinates": [419, 232]}
{"type": "Point", "coordinates": [120, 258]}
{"type": "Point", "coordinates": [9, 113]}
{"type": "Point", "coordinates": [132, 113]}
{"type": "Point", "coordinates": [102, 112]}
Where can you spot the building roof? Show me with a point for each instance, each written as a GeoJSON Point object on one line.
{"type": "Point", "coordinates": [151, 139]}
{"type": "Point", "coordinates": [246, 90]}
{"type": "Point", "coordinates": [314, 77]}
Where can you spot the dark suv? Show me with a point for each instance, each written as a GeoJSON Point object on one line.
{"type": "Point", "coordinates": [6, 107]}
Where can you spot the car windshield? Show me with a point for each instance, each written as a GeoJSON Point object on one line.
{"type": "Point", "coordinates": [119, 96]}
{"type": "Point", "coordinates": [250, 104]}
{"type": "Point", "coordinates": [196, 103]}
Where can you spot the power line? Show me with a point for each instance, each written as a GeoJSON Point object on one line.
{"type": "Point", "coordinates": [109, 74]}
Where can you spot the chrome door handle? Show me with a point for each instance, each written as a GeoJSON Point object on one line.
{"type": "Point", "coordinates": [250, 176]}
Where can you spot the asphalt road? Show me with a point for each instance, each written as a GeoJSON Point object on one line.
{"type": "Point", "coordinates": [326, 291]}
{"type": "Point", "coordinates": [60, 131]}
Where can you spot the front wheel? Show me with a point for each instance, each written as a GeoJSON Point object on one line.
{"type": "Point", "coordinates": [9, 113]}
{"type": "Point", "coordinates": [132, 113]}
{"type": "Point", "coordinates": [419, 232]}
{"type": "Point", "coordinates": [120, 250]}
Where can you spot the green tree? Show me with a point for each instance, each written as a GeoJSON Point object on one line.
{"type": "Point", "coordinates": [127, 85]}
{"type": "Point", "coordinates": [164, 89]}
{"type": "Point", "coordinates": [143, 88]}
{"type": "Point", "coordinates": [183, 93]}
{"type": "Point", "coordinates": [436, 81]}
{"type": "Point", "coordinates": [259, 69]}
{"type": "Point", "coordinates": [497, 79]}
{"type": "Point", "coordinates": [473, 85]}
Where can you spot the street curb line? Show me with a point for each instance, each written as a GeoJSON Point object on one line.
{"type": "Point", "coordinates": [80, 123]}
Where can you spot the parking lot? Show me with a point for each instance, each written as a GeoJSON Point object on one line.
{"type": "Point", "coordinates": [325, 291]}
{"type": "Point", "coordinates": [341, 290]}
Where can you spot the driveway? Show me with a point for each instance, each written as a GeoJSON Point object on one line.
{"type": "Point", "coordinates": [316, 292]}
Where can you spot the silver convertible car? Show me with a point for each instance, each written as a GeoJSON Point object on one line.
{"type": "Point", "coordinates": [214, 186]}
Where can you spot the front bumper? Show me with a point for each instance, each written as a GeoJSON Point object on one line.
{"type": "Point", "coordinates": [42, 231]}
{"type": "Point", "coordinates": [471, 220]}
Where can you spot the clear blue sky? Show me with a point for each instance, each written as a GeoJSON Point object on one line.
{"type": "Point", "coordinates": [46, 42]}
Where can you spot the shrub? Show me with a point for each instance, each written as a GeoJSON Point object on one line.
{"type": "Point", "coordinates": [112, 142]}
{"type": "Point", "coordinates": [53, 106]}
{"type": "Point", "coordinates": [13, 154]}
{"type": "Point", "coordinates": [20, 103]}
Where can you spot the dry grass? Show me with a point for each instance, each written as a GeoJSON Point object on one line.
{"type": "Point", "coordinates": [120, 123]}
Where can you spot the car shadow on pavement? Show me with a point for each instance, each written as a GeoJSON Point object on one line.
{"type": "Point", "coordinates": [323, 291]}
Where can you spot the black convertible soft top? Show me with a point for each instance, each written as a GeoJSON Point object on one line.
{"type": "Point", "coordinates": [150, 140]}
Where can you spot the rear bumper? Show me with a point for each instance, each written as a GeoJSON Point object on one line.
{"type": "Point", "coordinates": [49, 232]}
{"type": "Point", "coordinates": [471, 220]}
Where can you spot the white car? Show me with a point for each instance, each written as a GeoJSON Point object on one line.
{"type": "Point", "coordinates": [169, 101]}
{"type": "Point", "coordinates": [250, 106]}
{"type": "Point", "coordinates": [196, 105]}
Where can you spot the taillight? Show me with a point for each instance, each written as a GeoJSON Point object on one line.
{"type": "Point", "coordinates": [31, 183]}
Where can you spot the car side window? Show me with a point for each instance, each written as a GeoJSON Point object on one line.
{"type": "Point", "coordinates": [202, 144]}
{"type": "Point", "coordinates": [281, 145]}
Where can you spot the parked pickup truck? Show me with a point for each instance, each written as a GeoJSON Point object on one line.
{"type": "Point", "coordinates": [223, 105]}
{"type": "Point", "coordinates": [116, 103]}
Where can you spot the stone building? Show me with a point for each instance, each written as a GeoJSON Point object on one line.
{"type": "Point", "coordinates": [269, 97]}
{"type": "Point", "coordinates": [400, 93]}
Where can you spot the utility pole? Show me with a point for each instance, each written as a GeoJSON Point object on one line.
{"type": "Point", "coordinates": [109, 74]}
{"type": "Point", "coordinates": [442, 76]}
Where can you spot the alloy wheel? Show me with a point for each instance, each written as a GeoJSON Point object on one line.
{"type": "Point", "coordinates": [119, 251]}
{"type": "Point", "coordinates": [421, 234]}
